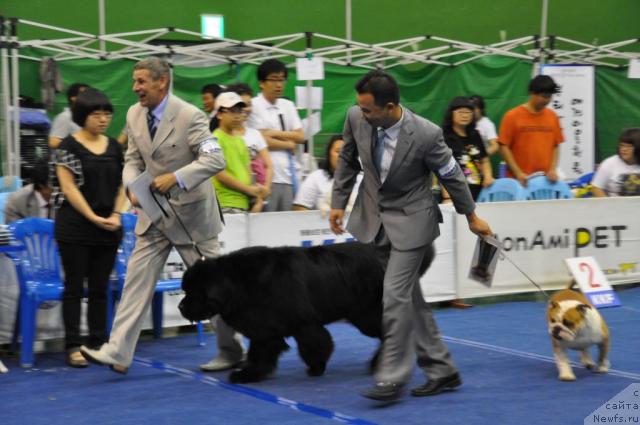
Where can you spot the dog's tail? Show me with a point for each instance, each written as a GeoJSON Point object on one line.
{"type": "Point", "coordinates": [429, 255]}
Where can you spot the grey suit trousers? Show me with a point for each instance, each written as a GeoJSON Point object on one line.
{"type": "Point", "coordinates": [407, 322]}
{"type": "Point", "coordinates": [145, 265]}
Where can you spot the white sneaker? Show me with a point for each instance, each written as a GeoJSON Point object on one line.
{"type": "Point", "coordinates": [219, 363]}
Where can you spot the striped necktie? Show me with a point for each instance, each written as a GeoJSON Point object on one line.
{"type": "Point", "coordinates": [151, 124]}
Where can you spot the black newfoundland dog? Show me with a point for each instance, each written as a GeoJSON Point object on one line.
{"type": "Point", "coordinates": [268, 294]}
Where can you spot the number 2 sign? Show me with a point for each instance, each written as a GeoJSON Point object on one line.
{"type": "Point", "coordinates": [592, 281]}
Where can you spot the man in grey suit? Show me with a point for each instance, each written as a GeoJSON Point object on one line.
{"type": "Point", "coordinates": [169, 139]}
{"type": "Point", "coordinates": [33, 200]}
{"type": "Point", "coordinates": [396, 211]}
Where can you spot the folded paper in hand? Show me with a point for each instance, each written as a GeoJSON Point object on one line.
{"type": "Point", "coordinates": [154, 204]}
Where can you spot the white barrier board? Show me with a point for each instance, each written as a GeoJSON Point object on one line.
{"type": "Point", "coordinates": [539, 235]}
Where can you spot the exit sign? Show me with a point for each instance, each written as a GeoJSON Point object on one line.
{"type": "Point", "coordinates": [212, 26]}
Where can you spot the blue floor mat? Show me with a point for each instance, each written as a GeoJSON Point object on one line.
{"type": "Point", "coordinates": [502, 350]}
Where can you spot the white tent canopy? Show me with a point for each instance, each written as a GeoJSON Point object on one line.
{"type": "Point", "coordinates": [195, 50]}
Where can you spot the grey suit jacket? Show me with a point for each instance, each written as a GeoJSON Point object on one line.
{"type": "Point", "coordinates": [404, 203]}
{"type": "Point", "coordinates": [21, 204]}
{"type": "Point", "coordinates": [184, 144]}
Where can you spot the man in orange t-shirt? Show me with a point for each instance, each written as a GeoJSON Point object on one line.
{"type": "Point", "coordinates": [530, 134]}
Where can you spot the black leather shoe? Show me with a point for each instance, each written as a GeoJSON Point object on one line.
{"type": "Point", "coordinates": [384, 391]}
{"type": "Point", "coordinates": [436, 386]}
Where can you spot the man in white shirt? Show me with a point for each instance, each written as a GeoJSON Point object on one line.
{"type": "Point", "coordinates": [280, 125]}
{"type": "Point", "coordinates": [63, 125]}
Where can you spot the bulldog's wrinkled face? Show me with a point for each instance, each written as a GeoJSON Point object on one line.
{"type": "Point", "coordinates": [566, 319]}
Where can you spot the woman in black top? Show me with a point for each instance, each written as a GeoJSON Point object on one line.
{"type": "Point", "coordinates": [88, 191]}
{"type": "Point", "coordinates": [461, 136]}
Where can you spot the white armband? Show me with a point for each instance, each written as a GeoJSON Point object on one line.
{"type": "Point", "coordinates": [209, 146]}
{"type": "Point", "coordinates": [448, 169]}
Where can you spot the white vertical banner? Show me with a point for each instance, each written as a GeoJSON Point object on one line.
{"type": "Point", "coordinates": [575, 106]}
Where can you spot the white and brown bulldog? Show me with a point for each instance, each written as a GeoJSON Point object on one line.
{"type": "Point", "coordinates": [575, 323]}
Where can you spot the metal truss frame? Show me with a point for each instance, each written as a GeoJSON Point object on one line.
{"type": "Point", "coordinates": [194, 50]}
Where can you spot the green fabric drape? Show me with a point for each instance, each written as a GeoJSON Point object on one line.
{"type": "Point", "coordinates": [426, 90]}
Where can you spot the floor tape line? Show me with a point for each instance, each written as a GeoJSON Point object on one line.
{"type": "Point", "coordinates": [528, 355]}
{"type": "Point", "coordinates": [261, 395]}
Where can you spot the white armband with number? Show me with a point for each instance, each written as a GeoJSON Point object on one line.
{"type": "Point", "coordinates": [448, 169]}
{"type": "Point", "coordinates": [209, 146]}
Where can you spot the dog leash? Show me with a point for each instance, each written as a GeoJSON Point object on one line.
{"type": "Point", "coordinates": [168, 196]}
{"type": "Point", "coordinates": [504, 256]}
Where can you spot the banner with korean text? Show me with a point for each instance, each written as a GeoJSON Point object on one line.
{"type": "Point", "coordinates": [575, 106]}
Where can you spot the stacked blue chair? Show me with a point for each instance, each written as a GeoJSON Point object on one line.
{"type": "Point", "coordinates": [539, 188]}
{"type": "Point", "coordinates": [162, 286]}
{"type": "Point", "coordinates": [39, 275]}
{"type": "Point", "coordinates": [10, 183]}
{"type": "Point", "coordinates": [504, 189]}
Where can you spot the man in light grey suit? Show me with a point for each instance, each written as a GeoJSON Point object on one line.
{"type": "Point", "coordinates": [170, 139]}
{"type": "Point", "coordinates": [396, 211]}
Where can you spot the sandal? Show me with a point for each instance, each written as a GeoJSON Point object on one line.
{"type": "Point", "coordinates": [75, 359]}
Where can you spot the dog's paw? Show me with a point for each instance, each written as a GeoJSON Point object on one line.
{"type": "Point", "coordinates": [603, 368]}
{"type": "Point", "coordinates": [245, 376]}
{"type": "Point", "coordinates": [567, 377]}
{"type": "Point", "coordinates": [316, 370]}
{"type": "Point", "coordinates": [589, 365]}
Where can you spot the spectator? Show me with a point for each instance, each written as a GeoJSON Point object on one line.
{"type": "Point", "coordinates": [530, 134]}
{"type": "Point", "coordinates": [619, 175]}
{"type": "Point", "coordinates": [88, 167]}
{"type": "Point", "coordinates": [33, 200]}
{"type": "Point", "coordinates": [261, 165]}
{"type": "Point", "coordinates": [63, 124]}
{"type": "Point", "coordinates": [315, 191]}
{"type": "Point", "coordinates": [233, 185]}
{"type": "Point", "coordinates": [484, 125]}
{"type": "Point", "coordinates": [209, 94]}
{"type": "Point", "coordinates": [278, 121]}
{"type": "Point", "coordinates": [463, 139]}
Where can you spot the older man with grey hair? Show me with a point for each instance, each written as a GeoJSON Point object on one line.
{"type": "Point", "coordinates": [169, 139]}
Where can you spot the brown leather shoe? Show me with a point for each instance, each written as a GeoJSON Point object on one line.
{"type": "Point", "coordinates": [75, 359]}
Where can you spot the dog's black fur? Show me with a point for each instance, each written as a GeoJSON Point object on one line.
{"type": "Point", "coordinates": [268, 294]}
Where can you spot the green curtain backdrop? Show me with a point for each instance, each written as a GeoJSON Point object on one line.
{"type": "Point", "coordinates": [425, 89]}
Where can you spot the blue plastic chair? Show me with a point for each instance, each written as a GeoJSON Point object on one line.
{"type": "Point", "coordinates": [505, 189]}
{"type": "Point", "coordinates": [539, 188]}
{"type": "Point", "coordinates": [39, 276]}
{"type": "Point", "coordinates": [10, 183]}
{"type": "Point", "coordinates": [4, 196]}
{"type": "Point", "coordinates": [162, 286]}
